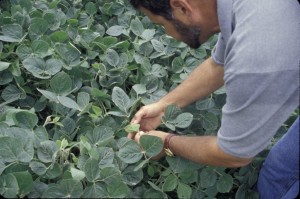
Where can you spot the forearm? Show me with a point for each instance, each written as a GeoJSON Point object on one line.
{"type": "Point", "coordinates": [204, 150]}
{"type": "Point", "coordinates": [204, 80]}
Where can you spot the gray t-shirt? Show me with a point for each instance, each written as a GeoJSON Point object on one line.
{"type": "Point", "coordinates": [259, 46]}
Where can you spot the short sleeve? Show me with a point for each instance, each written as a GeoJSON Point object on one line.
{"type": "Point", "coordinates": [218, 51]}
{"type": "Point", "coordinates": [261, 74]}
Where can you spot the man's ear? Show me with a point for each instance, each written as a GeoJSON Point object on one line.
{"type": "Point", "coordinates": [181, 7]}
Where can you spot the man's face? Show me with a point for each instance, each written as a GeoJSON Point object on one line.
{"type": "Point", "coordinates": [189, 34]}
{"type": "Point", "coordinates": [176, 29]}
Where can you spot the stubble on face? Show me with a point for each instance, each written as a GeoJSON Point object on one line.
{"type": "Point", "coordinates": [189, 34]}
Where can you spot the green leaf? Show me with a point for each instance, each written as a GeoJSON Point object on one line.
{"type": "Point", "coordinates": [37, 28]}
{"type": "Point", "coordinates": [9, 186]}
{"type": "Point", "coordinates": [61, 83]}
{"type": "Point", "coordinates": [38, 167]}
{"type": "Point", "coordinates": [24, 51]}
{"type": "Point", "coordinates": [110, 175]}
{"type": "Point", "coordinates": [90, 8]}
{"type": "Point", "coordinates": [4, 65]}
{"type": "Point", "coordinates": [170, 183]}
{"type": "Point", "coordinates": [115, 30]}
{"type": "Point", "coordinates": [26, 119]}
{"type": "Point", "coordinates": [157, 45]}
{"type": "Point", "coordinates": [117, 190]}
{"type": "Point", "coordinates": [112, 57]}
{"type": "Point", "coordinates": [83, 99]}
{"type": "Point", "coordinates": [208, 178]}
{"type": "Point", "coordinates": [209, 121]}
{"type": "Point", "coordinates": [68, 102]}
{"type": "Point", "coordinates": [11, 92]}
{"type": "Point", "coordinates": [100, 136]}
{"type": "Point", "coordinates": [106, 157]}
{"type": "Point", "coordinates": [131, 176]}
{"type": "Point", "coordinates": [130, 153]}
{"type": "Point", "coordinates": [11, 149]}
{"type": "Point", "coordinates": [132, 128]}
{"type": "Point", "coordinates": [225, 183]}
{"type": "Point", "coordinates": [11, 33]}
{"type": "Point", "coordinates": [49, 95]}
{"type": "Point", "coordinates": [46, 151]}
{"type": "Point", "coordinates": [59, 36]}
{"type": "Point", "coordinates": [205, 104]}
{"type": "Point", "coordinates": [121, 99]}
{"type": "Point", "coordinates": [68, 188]}
{"type": "Point", "coordinates": [25, 182]}
{"type": "Point", "coordinates": [40, 47]}
{"type": "Point", "coordinates": [96, 190]}
{"type": "Point", "coordinates": [183, 120]}
{"type": "Point", "coordinates": [136, 27]}
{"type": "Point", "coordinates": [177, 164]}
{"type": "Point", "coordinates": [151, 144]}
{"type": "Point", "coordinates": [69, 54]}
{"type": "Point", "coordinates": [184, 190]}
{"type": "Point", "coordinates": [92, 170]}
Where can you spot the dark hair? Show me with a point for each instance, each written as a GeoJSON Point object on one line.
{"type": "Point", "coordinates": [158, 7]}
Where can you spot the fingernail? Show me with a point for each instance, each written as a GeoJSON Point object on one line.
{"type": "Point", "coordinates": [142, 132]}
{"type": "Point", "coordinates": [135, 122]}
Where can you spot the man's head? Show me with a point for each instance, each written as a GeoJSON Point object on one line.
{"type": "Point", "coordinates": [180, 18]}
{"type": "Point", "coordinates": [189, 34]}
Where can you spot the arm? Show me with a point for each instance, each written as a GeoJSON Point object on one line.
{"type": "Point", "coordinates": [204, 80]}
{"type": "Point", "coordinates": [204, 150]}
{"type": "Point", "coordinates": [199, 149]}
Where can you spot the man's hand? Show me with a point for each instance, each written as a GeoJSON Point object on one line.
{"type": "Point", "coordinates": [149, 117]}
{"type": "Point", "coordinates": [159, 134]}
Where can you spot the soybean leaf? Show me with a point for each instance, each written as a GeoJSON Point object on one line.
{"type": "Point", "coordinates": [90, 8]}
{"type": "Point", "coordinates": [9, 186]}
{"type": "Point", "coordinates": [170, 183]}
{"type": "Point", "coordinates": [130, 153]}
{"type": "Point", "coordinates": [209, 121]}
{"type": "Point", "coordinates": [46, 151]}
{"type": "Point", "coordinates": [132, 128]}
{"type": "Point", "coordinates": [117, 189]}
{"type": "Point", "coordinates": [4, 65]}
{"type": "Point", "coordinates": [91, 170]}
{"type": "Point", "coordinates": [26, 119]}
{"type": "Point", "coordinates": [11, 33]}
{"type": "Point", "coordinates": [184, 190]}
{"type": "Point", "coordinates": [112, 57]}
{"type": "Point", "coordinates": [183, 120]}
{"type": "Point", "coordinates": [205, 104]}
{"type": "Point", "coordinates": [67, 188]}
{"type": "Point", "coordinates": [38, 167]}
{"type": "Point", "coordinates": [136, 27]}
{"type": "Point", "coordinates": [106, 156]}
{"type": "Point", "coordinates": [25, 182]}
{"type": "Point", "coordinates": [68, 102]}
{"type": "Point", "coordinates": [61, 83]}
{"type": "Point", "coordinates": [100, 136]}
{"type": "Point", "coordinates": [95, 190]}
{"type": "Point", "coordinates": [208, 178]}
{"type": "Point", "coordinates": [157, 45]}
{"type": "Point", "coordinates": [131, 176]}
{"type": "Point", "coordinates": [225, 183]}
{"type": "Point", "coordinates": [121, 99]}
{"type": "Point", "coordinates": [11, 92]}
{"type": "Point", "coordinates": [115, 30]}
{"type": "Point", "coordinates": [11, 149]}
{"type": "Point", "coordinates": [152, 145]}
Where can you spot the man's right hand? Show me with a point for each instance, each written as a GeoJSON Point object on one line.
{"type": "Point", "coordinates": [149, 117]}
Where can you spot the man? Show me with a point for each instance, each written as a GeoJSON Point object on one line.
{"type": "Point", "coordinates": [257, 59]}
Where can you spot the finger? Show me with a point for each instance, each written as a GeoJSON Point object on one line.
{"type": "Point", "coordinates": [138, 136]}
{"type": "Point", "coordinates": [138, 116]}
{"type": "Point", "coordinates": [131, 135]}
